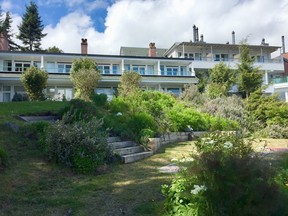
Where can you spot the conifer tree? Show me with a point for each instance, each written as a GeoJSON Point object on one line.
{"type": "Point", "coordinates": [250, 77]}
{"type": "Point", "coordinates": [30, 30]}
{"type": "Point", "coordinates": [6, 29]}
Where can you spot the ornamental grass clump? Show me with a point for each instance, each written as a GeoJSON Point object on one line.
{"type": "Point", "coordinates": [225, 178]}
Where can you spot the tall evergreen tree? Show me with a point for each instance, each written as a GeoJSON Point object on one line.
{"type": "Point", "coordinates": [30, 30]}
{"type": "Point", "coordinates": [250, 77]}
{"type": "Point", "coordinates": [6, 29]}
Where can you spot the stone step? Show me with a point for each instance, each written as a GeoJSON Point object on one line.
{"type": "Point", "coordinates": [129, 150]}
{"type": "Point", "coordinates": [113, 139]}
{"type": "Point", "coordinates": [135, 157]}
{"type": "Point", "coordinates": [122, 144]}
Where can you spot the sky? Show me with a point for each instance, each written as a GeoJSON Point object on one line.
{"type": "Point", "coordinates": [110, 24]}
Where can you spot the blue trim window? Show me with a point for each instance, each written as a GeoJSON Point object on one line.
{"type": "Point", "coordinates": [139, 68]}
{"type": "Point", "coordinates": [105, 69]}
{"type": "Point", "coordinates": [162, 70]}
{"type": "Point", "coordinates": [127, 67]}
{"type": "Point", "coordinates": [115, 69]}
{"type": "Point", "coordinates": [182, 70]}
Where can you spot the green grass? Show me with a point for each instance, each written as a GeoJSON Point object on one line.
{"type": "Point", "coordinates": [31, 185]}
{"type": "Point", "coordinates": [9, 111]}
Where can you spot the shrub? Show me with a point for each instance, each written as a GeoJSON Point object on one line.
{"type": "Point", "coordinates": [99, 99]}
{"type": "Point", "coordinates": [3, 158]}
{"type": "Point", "coordinates": [81, 146]}
{"type": "Point", "coordinates": [79, 109]}
{"type": "Point", "coordinates": [19, 97]}
{"type": "Point", "coordinates": [225, 178]}
{"type": "Point", "coordinates": [273, 131]}
{"type": "Point", "coordinates": [34, 81]}
{"type": "Point", "coordinates": [137, 123]}
{"type": "Point", "coordinates": [85, 77]}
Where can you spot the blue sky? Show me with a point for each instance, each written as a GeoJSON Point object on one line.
{"type": "Point", "coordinates": [51, 11]}
{"type": "Point", "coordinates": [110, 24]}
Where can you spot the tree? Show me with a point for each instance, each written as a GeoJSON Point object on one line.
{"type": "Point", "coordinates": [54, 49]}
{"type": "Point", "coordinates": [6, 29]}
{"type": "Point", "coordinates": [85, 77]}
{"type": "Point", "coordinates": [30, 30]}
{"type": "Point", "coordinates": [250, 77]}
{"type": "Point", "coordinates": [129, 83]}
{"type": "Point", "coordinates": [34, 81]}
{"type": "Point", "coordinates": [221, 78]}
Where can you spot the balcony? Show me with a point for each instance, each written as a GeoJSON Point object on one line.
{"type": "Point", "coordinates": [279, 80]}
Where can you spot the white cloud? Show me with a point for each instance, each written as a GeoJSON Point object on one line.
{"type": "Point", "coordinates": [6, 5]}
{"type": "Point", "coordinates": [138, 22]}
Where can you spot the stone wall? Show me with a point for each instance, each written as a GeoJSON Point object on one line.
{"type": "Point", "coordinates": [156, 143]}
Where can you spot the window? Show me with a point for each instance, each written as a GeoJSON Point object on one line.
{"type": "Point", "coordinates": [7, 65]}
{"type": "Point", "coordinates": [6, 93]}
{"type": "Point", "coordinates": [169, 71]}
{"type": "Point", "coordinates": [127, 67]}
{"type": "Point", "coordinates": [221, 57]}
{"type": "Point", "coordinates": [150, 69]}
{"type": "Point", "coordinates": [182, 70]}
{"type": "Point", "coordinates": [139, 68]}
{"type": "Point", "coordinates": [37, 64]}
{"type": "Point", "coordinates": [115, 69]}
{"type": "Point", "coordinates": [21, 66]}
{"type": "Point", "coordinates": [172, 71]}
{"type": "Point", "coordinates": [198, 56]}
{"type": "Point", "coordinates": [260, 58]}
{"type": "Point", "coordinates": [162, 70]}
{"type": "Point", "coordinates": [175, 91]}
{"type": "Point", "coordinates": [179, 54]}
{"type": "Point", "coordinates": [64, 68]}
{"type": "Point", "coordinates": [105, 69]}
{"type": "Point", "coordinates": [50, 67]}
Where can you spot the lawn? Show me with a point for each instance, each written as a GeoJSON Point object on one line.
{"type": "Point", "coordinates": [33, 186]}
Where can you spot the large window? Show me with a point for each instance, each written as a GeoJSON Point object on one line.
{"type": "Point", "coordinates": [64, 68]}
{"type": "Point", "coordinates": [115, 69]}
{"type": "Point", "coordinates": [7, 65]}
{"type": "Point", "coordinates": [104, 69]}
{"type": "Point", "coordinates": [139, 68]}
{"type": "Point", "coordinates": [221, 57]}
{"type": "Point", "coordinates": [21, 66]}
{"type": "Point", "coordinates": [50, 67]}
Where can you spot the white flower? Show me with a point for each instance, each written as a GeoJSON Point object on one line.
{"type": "Point", "coordinates": [186, 160]}
{"type": "Point", "coordinates": [119, 114]}
{"type": "Point", "coordinates": [228, 144]}
{"type": "Point", "coordinates": [174, 159]}
{"type": "Point", "coordinates": [210, 142]}
{"type": "Point", "coordinates": [198, 188]}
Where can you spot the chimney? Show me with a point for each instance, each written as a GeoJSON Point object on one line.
{"type": "Point", "coordinates": [194, 33]}
{"type": "Point", "coordinates": [263, 41]}
{"type": "Point", "coordinates": [201, 38]}
{"type": "Point", "coordinates": [84, 46]}
{"type": "Point", "coordinates": [233, 37]}
{"type": "Point", "coordinates": [197, 34]}
{"type": "Point", "coordinates": [283, 44]}
{"type": "Point", "coordinates": [152, 50]}
{"type": "Point", "coordinates": [4, 45]}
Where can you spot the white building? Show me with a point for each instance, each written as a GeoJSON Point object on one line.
{"type": "Point", "coordinates": [159, 73]}
{"type": "Point", "coordinates": [161, 69]}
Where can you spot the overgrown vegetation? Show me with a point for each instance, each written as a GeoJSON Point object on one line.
{"type": "Point", "coordinates": [225, 177]}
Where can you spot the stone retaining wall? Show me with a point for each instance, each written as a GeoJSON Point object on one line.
{"type": "Point", "coordinates": [156, 143]}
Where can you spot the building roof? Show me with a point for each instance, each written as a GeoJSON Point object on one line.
{"type": "Point", "coordinates": [218, 45]}
{"type": "Point", "coordinates": [138, 51]}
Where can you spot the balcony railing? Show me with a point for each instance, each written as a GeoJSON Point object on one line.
{"type": "Point", "coordinates": [103, 72]}
{"type": "Point", "coordinates": [214, 59]}
{"type": "Point", "coordinates": [278, 80]}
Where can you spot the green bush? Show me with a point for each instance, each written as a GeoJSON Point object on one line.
{"type": "Point", "coordinates": [3, 158]}
{"type": "Point", "coordinates": [225, 178]}
{"type": "Point", "coordinates": [79, 109]}
{"type": "Point", "coordinates": [81, 145]}
{"type": "Point", "coordinates": [34, 81]}
{"type": "Point", "coordinates": [273, 131]}
{"type": "Point", "coordinates": [137, 123]}
{"type": "Point", "coordinates": [99, 99]}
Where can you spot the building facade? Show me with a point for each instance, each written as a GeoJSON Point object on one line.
{"type": "Point", "coordinates": [158, 73]}
{"type": "Point", "coordinates": [161, 69]}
